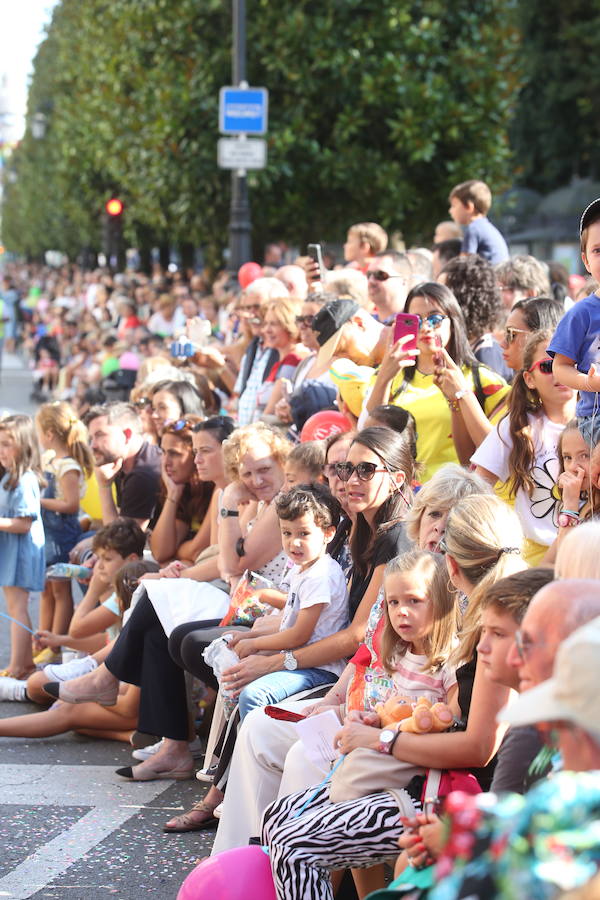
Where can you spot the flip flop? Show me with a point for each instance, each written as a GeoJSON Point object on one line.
{"type": "Point", "coordinates": [185, 822]}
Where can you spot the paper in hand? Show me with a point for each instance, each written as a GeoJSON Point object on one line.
{"type": "Point", "coordinates": [317, 734]}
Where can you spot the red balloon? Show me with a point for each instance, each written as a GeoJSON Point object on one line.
{"type": "Point", "coordinates": [231, 875]}
{"type": "Point", "coordinates": [248, 273]}
{"type": "Point", "coordinates": [323, 424]}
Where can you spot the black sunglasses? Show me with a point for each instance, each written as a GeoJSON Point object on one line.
{"type": "Point", "coordinates": [305, 320]}
{"type": "Point", "coordinates": [380, 275]}
{"type": "Point", "coordinates": [364, 470]}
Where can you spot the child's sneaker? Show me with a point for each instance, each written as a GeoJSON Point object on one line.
{"type": "Point", "coordinates": [12, 689]}
{"type": "Point", "coordinates": [72, 669]}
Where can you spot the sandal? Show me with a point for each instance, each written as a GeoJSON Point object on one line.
{"type": "Point", "coordinates": [189, 822]}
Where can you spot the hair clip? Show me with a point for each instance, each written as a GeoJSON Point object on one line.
{"type": "Point", "coordinates": [510, 549]}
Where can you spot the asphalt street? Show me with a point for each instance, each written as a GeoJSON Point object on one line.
{"type": "Point", "coordinates": [69, 827]}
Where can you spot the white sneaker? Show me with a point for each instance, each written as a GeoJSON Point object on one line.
{"type": "Point", "coordinates": [207, 773]}
{"type": "Point", "coordinates": [12, 689]}
{"type": "Point", "coordinates": [72, 669]}
{"type": "Point", "coordinates": [146, 752]}
{"type": "Point", "coordinates": [217, 811]}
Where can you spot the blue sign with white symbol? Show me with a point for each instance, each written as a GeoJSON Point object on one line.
{"type": "Point", "coordinates": [243, 110]}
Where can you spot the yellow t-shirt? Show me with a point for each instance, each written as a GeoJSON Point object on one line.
{"type": "Point", "coordinates": [90, 503]}
{"type": "Point", "coordinates": [428, 405]}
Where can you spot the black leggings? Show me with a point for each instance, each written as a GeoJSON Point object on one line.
{"type": "Point", "coordinates": [141, 656]}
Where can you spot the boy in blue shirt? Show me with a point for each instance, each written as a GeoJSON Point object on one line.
{"type": "Point", "coordinates": [469, 205]}
{"type": "Point", "coordinates": [575, 345]}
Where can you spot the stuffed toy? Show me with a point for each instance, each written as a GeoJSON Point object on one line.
{"type": "Point", "coordinates": [422, 718]}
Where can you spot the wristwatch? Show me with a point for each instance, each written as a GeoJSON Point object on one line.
{"type": "Point", "coordinates": [387, 739]}
{"type": "Point", "coordinates": [225, 513]}
{"type": "Point", "coordinates": [289, 661]}
{"type": "Point", "coordinates": [460, 394]}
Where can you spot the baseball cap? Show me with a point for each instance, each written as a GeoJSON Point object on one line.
{"type": "Point", "coordinates": [572, 694]}
{"type": "Point", "coordinates": [352, 382]}
{"type": "Point", "coordinates": [590, 213]}
{"type": "Point", "coordinates": [327, 325]}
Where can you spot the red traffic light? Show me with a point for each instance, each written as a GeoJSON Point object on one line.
{"type": "Point", "coordinates": [114, 207]}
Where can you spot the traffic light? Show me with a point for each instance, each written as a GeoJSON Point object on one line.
{"type": "Point", "coordinates": [113, 233]}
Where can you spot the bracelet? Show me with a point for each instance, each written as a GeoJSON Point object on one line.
{"type": "Point", "coordinates": [570, 512]}
{"type": "Point", "coordinates": [453, 405]}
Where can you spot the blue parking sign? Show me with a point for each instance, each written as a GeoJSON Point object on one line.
{"type": "Point", "coordinates": [243, 110]}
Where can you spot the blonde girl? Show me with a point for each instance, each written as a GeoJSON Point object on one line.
{"type": "Point", "coordinates": [520, 452]}
{"type": "Point", "coordinates": [68, 462]}
{"type": "Point", "coordinates": [22, 561]}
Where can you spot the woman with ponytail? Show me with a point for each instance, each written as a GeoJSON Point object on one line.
{"type": "Point", "coordinates": [521, 452]}
{"type": "Point", "coordinates": [67, 462]}
{"type": "Point", "coordinates": [307, 834]}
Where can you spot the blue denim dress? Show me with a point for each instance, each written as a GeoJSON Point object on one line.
{"type": "Point", "coordinates": [22, 557]}
{"type": "Point", "coordinates": [62, 530]}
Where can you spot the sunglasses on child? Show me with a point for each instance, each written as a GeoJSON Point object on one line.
{"type": "Point", "coordinates": [544, 365]}
{"type": "Point", "coordinates": [510, 334]}
{"type": "Point", "coordinates": [364, 470]}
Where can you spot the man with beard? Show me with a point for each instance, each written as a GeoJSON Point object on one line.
{"type": "Point", "coordinates": [123, 458]}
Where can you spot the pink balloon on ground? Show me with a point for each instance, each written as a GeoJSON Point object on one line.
{"type": "Point", "coordinates": [238, 874]}
{"type": "Point", "coordinates": [248, 273]}
{"type": "Point", "coordinates": [323, 424]}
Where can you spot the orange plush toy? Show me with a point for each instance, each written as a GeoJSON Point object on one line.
{"type": "Point", "coordinates": [423, 718]}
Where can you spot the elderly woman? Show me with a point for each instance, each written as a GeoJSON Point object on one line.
{"type": "Point", "coordinates": [248, 538]}
{"type": "Point", "coordinates": [280, 332]}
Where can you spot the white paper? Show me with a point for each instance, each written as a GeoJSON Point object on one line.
{"type": "Point", "coordinates": [317, 734]}
{"type": "Point", "coordinates": [180, 600]}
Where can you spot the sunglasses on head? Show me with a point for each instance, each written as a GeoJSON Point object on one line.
{"type": "Point", "coordinates": [544, 365]}
{"type": "Point", "coordinates": [434, 320]}
{"type": "Point", "coordinates": [179, 425]}
{"type": "Point", "coordinates": [305, 320]}
{"type": "Point", "coordinates": [380, 275]}
{"type": "Point", "coordinates": [510, 334]}
{"type": "Point", "coordinates": [364, 470]}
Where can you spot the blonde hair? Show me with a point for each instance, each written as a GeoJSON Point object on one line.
{"type": "Point", "coordinates": [484, 537]}
{"type": "Point", "coordinates": [372, 234]}
{"type": "Point", "coordinates": [578, 554]}
{"type": "Point", "coordinates": [439, 643]}
{"type": "Point", "coordinates": [285, 311]}
{"type": "Point", "coordinates": [475, 192]}
{"type": "Point", "coordinates": [242, 440]}
{"type": "Point", "coordinates": [27, 450]}
{"type": "Point", "coordinates": [443, 490]}
{"type": "Point", "coordinates": [61, 419]}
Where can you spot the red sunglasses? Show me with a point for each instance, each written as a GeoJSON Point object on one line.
{"type": "Point", "coordinates": [544, 365]}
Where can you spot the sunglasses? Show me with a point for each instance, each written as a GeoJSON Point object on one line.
{"type": "Point", "coordinates": [305, 320]}
{"type": "Point", "coordinates": [380, 275]}
{"type": "Point", "coordinates": [143, 403]}
{"type": "Point", "coordinates": [434, 320]}
{"type": "Point", "coordinates": [510, 334]}
{"type": "Point", "coordinates": [544, 365]}
{"type": "Point", "coordinates": [364, 470]}
{"type": "Point", "coordinates": [179, 425]}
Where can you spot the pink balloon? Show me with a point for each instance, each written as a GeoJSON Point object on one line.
{"type": "Point", "coordinates": [231, 875]}
{"type": "Point", "coordinates": [323, 424]}
{"type": "Point", "coordinates": [248, 273]}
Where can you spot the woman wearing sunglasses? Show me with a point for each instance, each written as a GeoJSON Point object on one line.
{"type": "Point", "coordinates": [440, 384]}
{"type": "Point", "coordinates": [173, 399]}
{"type": "Point", "coordinates": [182, 529]}
{"type": "Point", "coordinates": [527, 316]}
{"type": "Point", "coordinates": [521, 451]}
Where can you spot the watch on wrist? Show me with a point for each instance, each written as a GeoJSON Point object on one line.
{"type": "Point", "coordinates": [460, 394]}
{"type": "Point", "coordinates": [289, 661]}
{"type": "Point", "coordinates": [229, 513]}
{"type": "Point", "coordinates": [387, 738]}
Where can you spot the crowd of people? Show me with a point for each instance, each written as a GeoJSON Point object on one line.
{"type": "Point", "coordinates": [363, 495]}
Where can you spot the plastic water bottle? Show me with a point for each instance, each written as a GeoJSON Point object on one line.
{"type": "Point", "coordinates": [220, 656]}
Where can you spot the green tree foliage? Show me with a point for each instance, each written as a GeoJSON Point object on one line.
{"type": "Point", "coordinates": [376, 109]}
{"type": "Point", "coordinates": [556, 127]}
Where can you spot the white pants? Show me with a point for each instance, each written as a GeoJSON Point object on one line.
{"type": "Point", "coordinates": [268, 763]}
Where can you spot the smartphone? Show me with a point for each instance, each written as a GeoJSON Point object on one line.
{"type": "Point", "coordinates": [315, 251]}
{"type": "Point", "coordinates": [286, 715]}
{"type": "Point", "coordinates": [406, 325]}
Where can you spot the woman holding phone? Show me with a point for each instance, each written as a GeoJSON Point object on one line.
{"type": "Point", "coordinates": [440, 383]}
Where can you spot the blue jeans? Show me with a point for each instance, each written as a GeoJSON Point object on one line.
{"type": "Point", "coordinates": [276, 686]}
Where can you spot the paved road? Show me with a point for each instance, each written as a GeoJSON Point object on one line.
{"type": "Point", "coordinates": [69, 827]}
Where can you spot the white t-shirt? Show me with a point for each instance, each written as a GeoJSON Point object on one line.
{"type": "Point", "coordinates": [323, 582]}
{"type": "Point", "coordinates": [539, 513]}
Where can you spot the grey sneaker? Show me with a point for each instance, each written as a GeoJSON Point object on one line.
{"type": "Point", "coordinates": [12, 689]}
{"type": "Point", "coordinates": [72, 669]}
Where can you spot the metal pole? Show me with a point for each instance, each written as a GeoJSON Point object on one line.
{"type": "Point", "coordinates": [240, 225]}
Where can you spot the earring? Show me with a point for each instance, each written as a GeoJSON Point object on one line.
{"type": "Point", "coordinates": [450, 587]}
